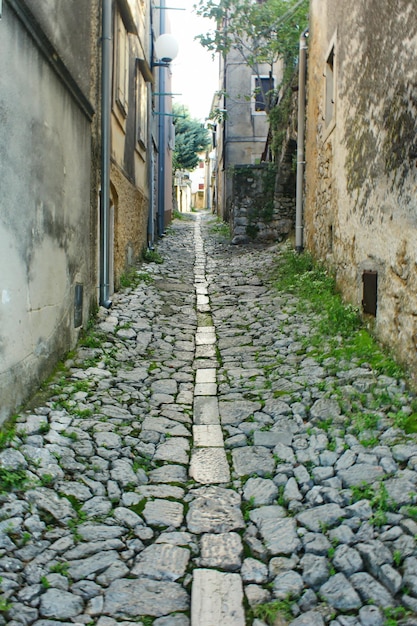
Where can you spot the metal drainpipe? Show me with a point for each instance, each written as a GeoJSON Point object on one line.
{"type": "Point", "coordinates": [151, 166]}
{"type": "Point", "coordinates": [161, 131]}
{"type": "Point", "coordinates": [105, 152]}
{"type": "Point", "coordinates": [300, 141]}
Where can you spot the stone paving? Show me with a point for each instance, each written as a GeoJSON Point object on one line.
{"type": "Point", "coordinates": [197, 465]}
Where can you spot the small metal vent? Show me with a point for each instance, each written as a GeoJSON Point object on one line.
{"type": "Point", "coordinates": [370, 292]}
{"type": "Point", "coordinates": [78, 306]}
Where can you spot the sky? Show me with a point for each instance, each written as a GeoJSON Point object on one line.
{"type": "Point", "coordinates": [194, 72]}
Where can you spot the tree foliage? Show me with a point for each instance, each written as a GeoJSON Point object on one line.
{"type": "Point", "coordinates": [191, 138]}
{"type": "Point", "coordinates": [262, 31]}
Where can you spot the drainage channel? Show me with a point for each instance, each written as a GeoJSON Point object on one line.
{"type": "Point", "coordinates": [217, 596]}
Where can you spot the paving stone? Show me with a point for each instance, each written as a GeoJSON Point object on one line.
{"type": "Point", "coordinates": [214, 509]}
{"type": "Point", "coordinates": [260, 491]}
{"type": "Point", "coordinates": [209, 466]}
{"type": "Point", "coordinates": [280, 536]}
{"type": "Point", "coordinates": [222, 551]}
{"type": "Point", "coordinates": [209, 435]}
{"type": "Point", "coordinates": [125, 464]}
{"type": "Point", "coordinates": [360, 473]}
{"type": "Point", "coordinates": [205, 375]}
{"type": "Point", "coordinates": [164, 425]}
{"type": "Point", "coordinates": [371, 590]}
{"type": "Point", "coordinates": [287, 584]}
{"type": "Point", "coordinates": [310, 618]}
{"type": "Point", "coordinates": [206, 410]}
{"type": "Point", "coordinates": [55, 602]}
{"type": "Point", "coordinates": [171, 473]}
{"type": "Point", "coordinates": [80, 569]}
{"type": "Point", "coordinates": [205, 389]}
{"type": "Point", "coordinates": [253, 460]}
{"type": "Point", "coordinates": [174, 450]}
{"type": "Point", "coordinates": [163, 513]}
{"type": "Point", "coordinates": [340, 594]}
{"type": "Point", "coordinates": [143, 596]}
{"type": "Point", "coordinates": [162, 562]}
{"type": "Point", "coordinates": [238, 411]}
{"type": "Point", "coordinates": [217, 598]}
{"type": "Point", "coordinates": [325, 515]}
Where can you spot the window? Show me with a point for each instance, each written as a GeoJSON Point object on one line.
{"type": "Point", "coordinates": [141, 109]}
{"type": "Point", "coordinates": [330, 88]}
{"type": "Point", "coordinates": [201, 164]}
{"type": "Point", "coordinates": [262, 87]}
{"type": "Point", "coordinates": [121, 61]}
{"type": "Point", "coordinates": [329, 103]}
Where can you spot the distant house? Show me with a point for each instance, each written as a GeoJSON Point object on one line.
{"type": "Point", "coordinates": [242, 123]}
{"type": "Point", "coordinates": [361, 156]}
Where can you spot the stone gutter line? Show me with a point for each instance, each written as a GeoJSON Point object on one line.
{"type": "Point", "coordinates": [216, 596]}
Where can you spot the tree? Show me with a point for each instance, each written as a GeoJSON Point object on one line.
{"type": "Point", "coordinates": [191, 138]}
{"type": "Point", "coordinates": [263, 31]}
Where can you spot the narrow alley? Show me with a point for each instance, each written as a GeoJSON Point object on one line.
{"type": "Point", "coordinates": [192, 465]}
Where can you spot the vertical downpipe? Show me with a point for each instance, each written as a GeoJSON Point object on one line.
{"type": "Point", "coordinates": [161, 132]}
{"type": "Point", "coordinates": [151, 166]}
{"type": "Point", "coordinates": [300, 142]}
{"type": "Point", "coordinates": [105, 152]}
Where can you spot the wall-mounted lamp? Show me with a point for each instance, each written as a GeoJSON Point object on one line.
{"type": "Point", "coordinates": [166, 49]}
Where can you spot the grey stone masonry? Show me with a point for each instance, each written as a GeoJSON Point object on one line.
{"type": "Point", "coordinates": [196, 463]}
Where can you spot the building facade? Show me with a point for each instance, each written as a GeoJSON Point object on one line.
{"type": "Point", "coordinates": [48, 169]}
{"type": "Point", "coordinates": [242, 123]}
{"type": "Point", "coordinates": [361, 150]}
{"type": "Point", "coordinates": [80, 170]}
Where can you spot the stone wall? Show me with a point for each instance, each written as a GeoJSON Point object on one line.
{"type": "Point", "coordinates": [130, 222]}
{"type": "Point", "coordinates": [261, 208]}
{"type": "Point", "coordinates": [361, 175]}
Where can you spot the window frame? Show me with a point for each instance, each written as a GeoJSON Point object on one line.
{"type": "Point", "coordinates": [330, 81]}
{"type": "Point", "coordinates": [121, 65]}
{"type": "Point", "coordinates": [254, 79]}
{"type": "Point", "coordinates": [141, 109]}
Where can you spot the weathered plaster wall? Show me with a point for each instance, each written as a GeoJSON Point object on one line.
{"type": "Point", "coordinates": [361, 175]}
{"type": "Point", "coordinates": [45, 159]}
{"type": "Point", "coordinates": [255, 214]}
{"type": "Point", "coordinates": [130, 222]}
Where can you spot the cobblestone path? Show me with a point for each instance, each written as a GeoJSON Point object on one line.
{"type": "Point", "coordinates": [195, 465]}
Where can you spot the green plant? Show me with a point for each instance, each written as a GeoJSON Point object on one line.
{"type": "Point", "coordinates": [70, 435]}
{"type": "Point", "coordinates": [269, 611]}
{"type": "Point", "coordinates": [152, 256]}
{"type": "Point", "coordinates": [45, 582]}
{"type": "Point", "coordinates": [139, 507]}
{"type": "Point", "coordinates": [25, 538]}
{"type": "Point", "coordinates": [397, 557]}
{"type": "Point", "coordinates": [46, 480]}
{"type": "Point", "coordinates": [394, 614]}
{"type": "Point", "coordinates": [60, 568]}
{"type": "Point", "coordinates": [5, 605]}
{"type": "Point", "coordinates": [142, 463]}
{"type": "Point", "coordinates": [11, 480]}
{"type": "Point", "coordinates": [8, 432]}
{"type": "Point", "coordinates": [220, 228]}
{"type": "Point", "coordinates": [247, 506]}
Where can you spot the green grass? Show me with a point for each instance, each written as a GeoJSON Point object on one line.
{"type": "Point", "coordinates": [220, 228]}
{"type": "Point", "coordinates": [152, 256]}
{"type": "Point", "coordinates": [340, 332]}
{"type": "Point", "coordinates": [270, 611]}
{"type": "Point", "coordinates": [379, 500]}
{"type": "Point", "coordinates": [12, 480]}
